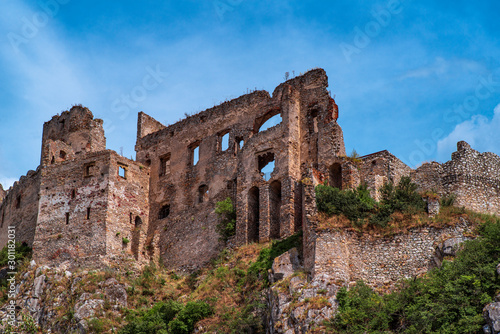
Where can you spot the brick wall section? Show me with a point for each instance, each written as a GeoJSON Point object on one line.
{"type": "Point", "coordinates": [380, 262]}
{"type": "Point", "coordinates": [20, 209]}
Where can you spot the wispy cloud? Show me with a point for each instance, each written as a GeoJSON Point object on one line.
{"type": "Point", "coordinates": [480, 132]}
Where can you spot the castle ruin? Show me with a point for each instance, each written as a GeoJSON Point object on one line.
{"type": "Point", "coordinates": [88, 205]}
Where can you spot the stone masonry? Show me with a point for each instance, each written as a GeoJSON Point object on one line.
{"type": "Point", "coordinates": [91, 206]}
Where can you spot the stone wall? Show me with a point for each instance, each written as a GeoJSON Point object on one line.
{"type": "Point", "coordinates": [86, 209]}
{"type": "Point", "coordinates": [470, 175]}
{"type": "Point", "coordinates": [346, 257]}
{"type": "Point", "coordinates": [20, 209]}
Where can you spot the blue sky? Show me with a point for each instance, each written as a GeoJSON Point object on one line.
{"type": "Point", "coordinates": [410, 77]}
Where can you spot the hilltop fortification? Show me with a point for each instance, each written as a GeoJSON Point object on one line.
{"type": "Point", "coordinates": [90, 206]}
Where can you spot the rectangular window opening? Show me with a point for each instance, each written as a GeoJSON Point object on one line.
{"type": "Point", "coordinates": [88, 214]}
{"type": "Point", "coordinates": [165, 165]}
{"type": "Point", "coordinates": [224, 141]}
{"type": "Point", "coordinates": [89, 169]}
{"type": "Point", "coordinates": [67, 218]}
{"type": "Point", "coordinates": [122, 171]}
{"type": "Point", "coordinates": [194, 153]}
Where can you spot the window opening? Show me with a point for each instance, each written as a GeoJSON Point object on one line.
{"type": "Point", "coordinates": [122, 171]}
{"type": "Point", "coordinates": [269, 120]}
{"type": "Point", "coordinates": [196, 155]}
{"type": "Point", "coordinates": [225, 142]}
{"type": "Point", "coordinates": [88, 214]}
{"type": "Point", "coordinates": [67, 218]}
{"type": "Point", "coordinates": [89, 169]}
{"type": "Point", "coordinates": [18, 202]}
{"type": "Point", "coordinates": [202, 193]}
{"type": "Point", "coordinates": [266, 165]}
{"type": "Point", "coordinates": [336, 176]}
{"type": "Point", "coordinates": [73, 193]}
{"type": "Point", "coordinates": [62, 155]}
{"type": "Point", "coordinates": [165, 165]}
{"type": "Point", "coordinates": [164, 212]}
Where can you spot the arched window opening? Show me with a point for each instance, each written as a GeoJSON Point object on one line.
{"type": "Point", "coordinates": [62, 155]}
{"type": "Point", "coordinates": [272, 118]}
{"type": "Point", "coordinates": [275, 200]}
{"type": "Point", "coordinates": [266, 165]}
{"type": "Point", "coordinates": [253, 215]}
{"type": "Point", "coordinates": [336, 176]}
{"type": "Point", "coordinates": [202, 193]}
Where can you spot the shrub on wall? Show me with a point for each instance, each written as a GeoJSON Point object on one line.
{"type": "Point", "coordinates": [227, 219]}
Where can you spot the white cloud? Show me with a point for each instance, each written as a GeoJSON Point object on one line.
{"type": "Point", "coordinates": [482, 133]}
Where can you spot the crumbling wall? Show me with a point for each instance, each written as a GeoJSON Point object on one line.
{"type": "Point", "coordinates": [188, 190]}
{"type": "Point", "coordinates": [19, 208]}
{"type": "Point", "coordinates": [474, 177]}
{"type": "Point", "coordinates": [346, 257]}
{"type": "Point", "coordinates": [429, 177]}
{"type": "Point", "coordinates": [71, 133]}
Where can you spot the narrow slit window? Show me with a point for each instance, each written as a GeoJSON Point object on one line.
{"type": "Point", "coordinates": [224, 142]}
{"type": "Point", "coordinates": [67, 218]}
{"type": "Point", "coordinates": [18, 202]}
{"type": "Point", "coordinates": [88, 214]}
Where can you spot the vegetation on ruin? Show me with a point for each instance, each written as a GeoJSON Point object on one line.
{"type": "Point", "coordinates": [447, 300]}
{"type": "Point", "coordinates": [401, 207]}
{"type": "Point", "coordinates": [226, 227]}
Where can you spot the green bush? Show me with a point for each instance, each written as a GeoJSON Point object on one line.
{"type": "Point", "coordinates": [266, 257]}
{"type": "Point", "coordinates": [167, 318]}
{"type": "Point", "coordinates": [22, 251]}
{"type": "Point", "coordinates": [354, 204]}
{"type": "Point", "coordinates": [448, 300]}
{"type": "Point", "coordinates": [227, 219]}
